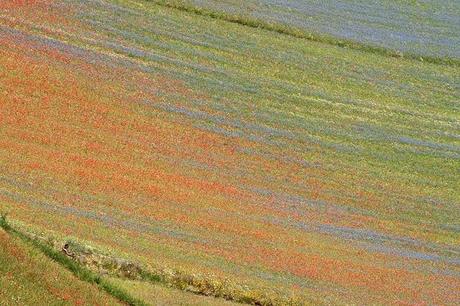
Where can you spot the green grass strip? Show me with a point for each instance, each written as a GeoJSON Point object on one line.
{"type": "Point", "coordinates": [302, 34]}
{"type": "Point", "coordinates": [78, 270]}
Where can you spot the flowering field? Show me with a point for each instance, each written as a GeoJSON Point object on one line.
{"type": "Point", "coordinates": [429, 27]}
{"type": "Point", "coordinates": [187, 142]}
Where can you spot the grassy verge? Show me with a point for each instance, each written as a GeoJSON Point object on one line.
{"type": "Point", "coordinates": [78, 270]}
{"type": "Point", "coordinates": [162, 295]}
{"type": "Point", "coordinates": [204, 285]}
{"type": "Point", "coordinates": [224, 289]}
{"type": "Point", "coordinates": [302, 34]}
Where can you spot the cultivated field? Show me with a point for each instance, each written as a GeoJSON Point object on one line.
{"type": "Point", "coordinates": [424, 28]}
{"type": "Point", "coordinates": [27, 277]}
{"type": "Point", "coordinates": [278, 169]}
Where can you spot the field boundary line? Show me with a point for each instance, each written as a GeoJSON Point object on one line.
{"type": "Point", "coordinates": [186, 282]}
{"type": "Point", "coordinates": [81, 272]}
{"type": "Point", "coordinates": [303, 34]}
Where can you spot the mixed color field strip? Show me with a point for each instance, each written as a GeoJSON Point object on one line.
{"type": "Point", "coordinates": [430, 27]}
{"type": "Point", "coordinates": [296, 168]}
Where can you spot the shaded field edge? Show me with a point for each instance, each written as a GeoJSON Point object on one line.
{"type": "Point", "coordinates": [302, 34]}
{"type": "Point", "coordinates": [192, 283]}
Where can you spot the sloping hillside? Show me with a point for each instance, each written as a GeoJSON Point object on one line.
{"type": "Point", "coordinates": [296, 169]}
{"type": "Point", "coordinates": [423, 28]}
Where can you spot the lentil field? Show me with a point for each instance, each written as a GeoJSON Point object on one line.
{"type": "Point", "coordinates": [426, 28]}
{"type": "Point", "coordinates": [182, 141]}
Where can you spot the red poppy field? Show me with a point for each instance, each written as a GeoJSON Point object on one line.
{"type": "Point", "coordinates": [290, 166]}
